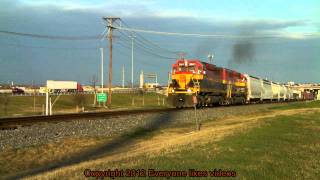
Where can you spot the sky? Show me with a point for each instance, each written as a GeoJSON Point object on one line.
{"type": "Point", "coordinates": [291, 56]}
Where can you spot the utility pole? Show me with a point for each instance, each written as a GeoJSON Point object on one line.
{"type": "Point", "coordinates": [122, 76]}
{"type": "Point", "coordinates": [110, 21]}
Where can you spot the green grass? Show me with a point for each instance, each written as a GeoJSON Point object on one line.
{"type": "Point", "coordinates": [285, 147]}
{"type": "Point", "coordinates": [297, 105]}
{"type": "Point", "coordinates": [24, 105]}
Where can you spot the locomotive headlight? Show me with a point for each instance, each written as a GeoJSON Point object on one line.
{"type": "Point", "coordinates": [189, 90]}
{"type": "Point", "coordinates": [172, 90]}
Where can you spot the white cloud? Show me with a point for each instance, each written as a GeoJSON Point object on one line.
{"type": "Point", "coordinates": [97, 5]}
{"type": "Point", "coordinates": [150, 9]}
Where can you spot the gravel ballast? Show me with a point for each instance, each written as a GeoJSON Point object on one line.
{"type": "Point", "coordinates": [42, 133]}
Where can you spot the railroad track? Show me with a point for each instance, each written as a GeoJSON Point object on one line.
{"type": "Point", "coordinates": [15, 122]}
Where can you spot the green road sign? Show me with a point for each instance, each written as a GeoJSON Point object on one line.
{"type": "Point", "coordinates": [102, 97]}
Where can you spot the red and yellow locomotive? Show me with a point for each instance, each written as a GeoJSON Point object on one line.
{"type": "Point", "coordinates": [209, 83]}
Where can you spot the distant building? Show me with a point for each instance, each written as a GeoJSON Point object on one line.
{"type": "Point", "coordinates": [150, 85]}
{"type": "Point", "coordinates": [308, 87]}
{"type": "Point", "coordinates": [291, 83]}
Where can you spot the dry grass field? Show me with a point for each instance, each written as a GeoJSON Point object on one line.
{"type": "Point", "coordinates": [24, 105]}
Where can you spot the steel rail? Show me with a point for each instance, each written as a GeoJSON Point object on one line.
{"type": "Point", "coordinates": [15, 122]}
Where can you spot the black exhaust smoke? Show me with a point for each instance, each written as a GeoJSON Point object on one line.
{"type": "Point", "coordinates": [243, 50]}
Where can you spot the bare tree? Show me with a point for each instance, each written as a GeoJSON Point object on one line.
{"type": "Point", "coordinates": [93, 82]}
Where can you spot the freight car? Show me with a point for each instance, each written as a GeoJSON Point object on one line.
{"type": "Point", "coordinates": [260, 90]}
{"type": "Point", "coordinates": [308, 95]}
{"type": "Point", "coordinates": [203, 84]}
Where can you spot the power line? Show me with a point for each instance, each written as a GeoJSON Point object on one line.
{"type": "Point", "coordinates": [142, 47]}
{"type": "Point", "coordinates": [123, 44]}
{"type": "Point", "coordinates": [128, 55]}
{"type": "Point", "coordinates": [139, 43]}
{"type": "Point", "coordinates": [173, 52]}
{"type": "Point", "coordinates": [145, 51]}
{"type": "Point", "coordinates": [150, 42]}
{"type": "Point", "coordinates": [95, 37]}
{"type": "Point", "coordinates": [148, 52]}
{"type": "Point", "coordinates": [292, 35]}
{"type": "Point", "coordinates": [122, 53]}
{"type": "Point", "coordinates": [47, 47]}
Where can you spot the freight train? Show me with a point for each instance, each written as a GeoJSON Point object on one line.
{"type": "Point", "coordinates": [194, 82]}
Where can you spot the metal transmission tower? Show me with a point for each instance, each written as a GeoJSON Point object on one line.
{"type": "Point", "coordinates": [110, 21]}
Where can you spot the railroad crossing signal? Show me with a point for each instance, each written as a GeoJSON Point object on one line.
{"type": "Point", "coordinates": [102, 97]}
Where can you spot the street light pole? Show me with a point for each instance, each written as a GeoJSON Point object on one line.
{"type": "Point", "coordinates": [102, 59]}
{"type": "Point", "coordinates": [122, 76]}
{"type": "Point", "coordinates": [132, 47]}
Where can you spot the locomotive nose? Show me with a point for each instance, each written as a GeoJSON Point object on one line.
{"type": "Point", "coordinates": [183, 81]}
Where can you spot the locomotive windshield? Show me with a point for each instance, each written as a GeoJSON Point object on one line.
{"type": "Point", "coordinates": [183, 68]}
{"type": "Point", "coordinates": [189, 67]}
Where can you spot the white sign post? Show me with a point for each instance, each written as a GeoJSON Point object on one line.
{"type": "Point", "coordinates": [47, 104]}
